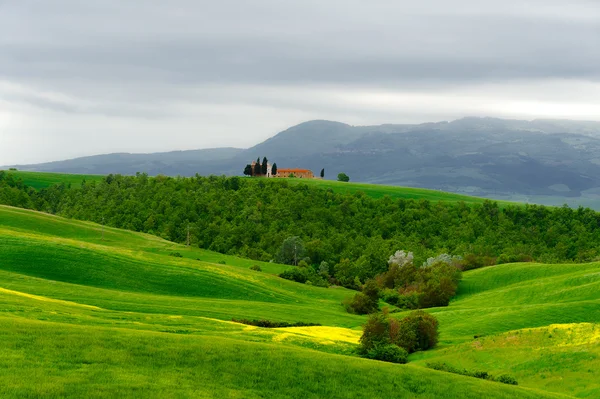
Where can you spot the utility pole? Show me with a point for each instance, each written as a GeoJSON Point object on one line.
{"type": "Point", "coordinates": [295, 254]}
{"type": "Point", "coordinates": [188, 236]}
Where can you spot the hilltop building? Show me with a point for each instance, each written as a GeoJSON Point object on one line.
{"type": "Point", "coordinates": [301, 173]}
{"type": "Point", "coordinates": [284, 172]}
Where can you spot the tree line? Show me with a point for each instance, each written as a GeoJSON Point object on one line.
{"type": "Point", "coordinates": [346, 238]}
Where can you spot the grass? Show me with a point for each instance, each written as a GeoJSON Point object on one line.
{"type": "Point", "coordinates": [394, 192]}
{"type": "Point", "coordinates": [539, 323]}
{"type": "Point", "coordinates": [39, 180]}
{"type": "Point", "coordinates": [119, 317]}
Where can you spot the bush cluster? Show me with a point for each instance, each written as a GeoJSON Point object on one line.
{"type": "Point", "coordinates": [484, 375]}
{"type": "Point", "coordinates": [305, 274]}
{"type": "Point", "coordinates": [256, 268]}
{"type": "Point", "coordinates": [433, 284]}
{"type": "Point", "coordinates": [273, 324]}
{"type": "Point", "coordinates": [364, 302]}
{"type": "Point", "coordinates": [416, 332]}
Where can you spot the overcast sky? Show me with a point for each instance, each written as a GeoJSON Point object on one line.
{"type": "Point", "coordinates": [96, 76]}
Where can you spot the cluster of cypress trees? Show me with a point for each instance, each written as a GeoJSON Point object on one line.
{"type": "Point", "coordinates": [260, 169]}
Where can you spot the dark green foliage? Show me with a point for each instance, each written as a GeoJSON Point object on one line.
{"type": "Point", "coordinates": [437, 284]}
{"type": "Point", "coordinates": [387, 353]}
{"type": "Point", "coordinates": [376, 331]}
{"type": "Point", "coordinates": [343, 177]}
{"type": "Point", "coordinates": [484, 375]}
{"type": "Point", "coordinates": [417, 332]}
{"type": "Point", "coordinates": [274, 170]}
{"type": "Point", "coordinates": [360, 304]}
{"type": "Point", "coordinates": [176, 255]}
{"type": "Point", "coordinates": [273, 324]}
{"type": "Point", "coordinates": [248, 170]}
{"type": "Point", "coordinates": [257, 167]}
{"type": "Point", "coordinates": [264, 166]}
{"type": "Point", "coordinates": [505, 258]}
{"type": "Point", "coordinates": [322, 173]}
{"type": "Point", "coordinates": [256, 268]}
{"type": "Point", "coordinates": [371, 290]}
{"type": "Point", "coordinates": [304, 275]}
{"type": "Point", "coordinates": [366, 301]}
{"type": "Point", "coordinates": [403, 301]}
{"type": "Point", "coordinates": [297, 274]}
{"type": "Point", "coordinates": [507, 379]}
{"type": "Point", "coordinates": [355, 234]}
{"type": "Point", "coordinates": [409, 287]}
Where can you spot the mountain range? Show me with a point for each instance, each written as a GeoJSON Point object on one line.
{"type": "Point", "coordinates": [492, 157]}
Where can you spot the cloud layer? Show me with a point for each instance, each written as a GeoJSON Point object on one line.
{"type": "Point", "coordinates": [80, 78]}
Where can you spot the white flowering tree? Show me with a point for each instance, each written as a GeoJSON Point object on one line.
{"type": "Point", "coordinates": [401, 258]}
{"type": "Point", "coordinates": [442, 258]}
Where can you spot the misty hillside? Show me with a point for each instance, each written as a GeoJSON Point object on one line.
{"type": "Point", "coordinates": [483, 156]}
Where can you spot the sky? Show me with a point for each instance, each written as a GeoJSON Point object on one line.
{"type": "Point", "coordinates": [98, 76]}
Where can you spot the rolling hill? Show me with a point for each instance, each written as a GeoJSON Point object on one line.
{"type": "Point", "coordinates": [101, 312]}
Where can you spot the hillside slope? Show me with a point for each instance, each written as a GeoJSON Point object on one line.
{"type": "Point", "coordinates": [119, 317]}
{"type": "Point", "coordinates": [539, 323]}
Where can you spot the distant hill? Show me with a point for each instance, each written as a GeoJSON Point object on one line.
{"type": "Point", "coordinates": [507, 159]}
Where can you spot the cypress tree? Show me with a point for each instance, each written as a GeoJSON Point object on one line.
{"type": "Point", "coordinates": [257, 168]}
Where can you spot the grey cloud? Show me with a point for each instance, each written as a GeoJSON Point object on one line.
{"type": "Point", "coordinates": [195, 63]}
{"type": "Point", "coordinates": [233, 42]}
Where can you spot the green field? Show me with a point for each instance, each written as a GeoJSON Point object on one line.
{"type": "Point", "coordinates": [85, 317]}
{"type": "Point", "coordinates": [536, 322]}
{"type": "Point", "coordinates": [39, 180]}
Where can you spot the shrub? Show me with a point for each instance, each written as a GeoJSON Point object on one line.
{"type": "Point", "coordinates": [256, 268]}
{"type": "Point", "coordinates": [360, 304]}
{"type": "Point", "coordinates": [376, 331]}
{"type": "Point", "coordinates": [273, 324]}
{"type": "Point", "coordinates": [484, 375]}
{"type": "Point", "coordinates": [472, 261]}
{"type": "Point", "coordinates": [176, 255]}
{"type": "Point", "coordinates": [295, 274]}
{"type": "Point", "coordinates": [222, 262]}
{"type": "Point", "coordinates": [343, 177]}
{"type": "Point", "coordinates": [409, 300]}
{"type": "Point", "coordinates": [387, 353]}
{"type": "Point", "coordinates": [504, 258]}
{"type": "Point", "coordinates": [416, 332]}
{"type": "Point", "coordinates": [304, 275]}
{"type": "Point", "coordinates": [371, 290]}
{"type": "Point", "coordinates": [507, 379]}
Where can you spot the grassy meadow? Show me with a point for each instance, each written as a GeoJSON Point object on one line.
{"type": "Point", "coordinates": [85, 317]}
{"type": "Point", "coordinates": [39, 180]}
